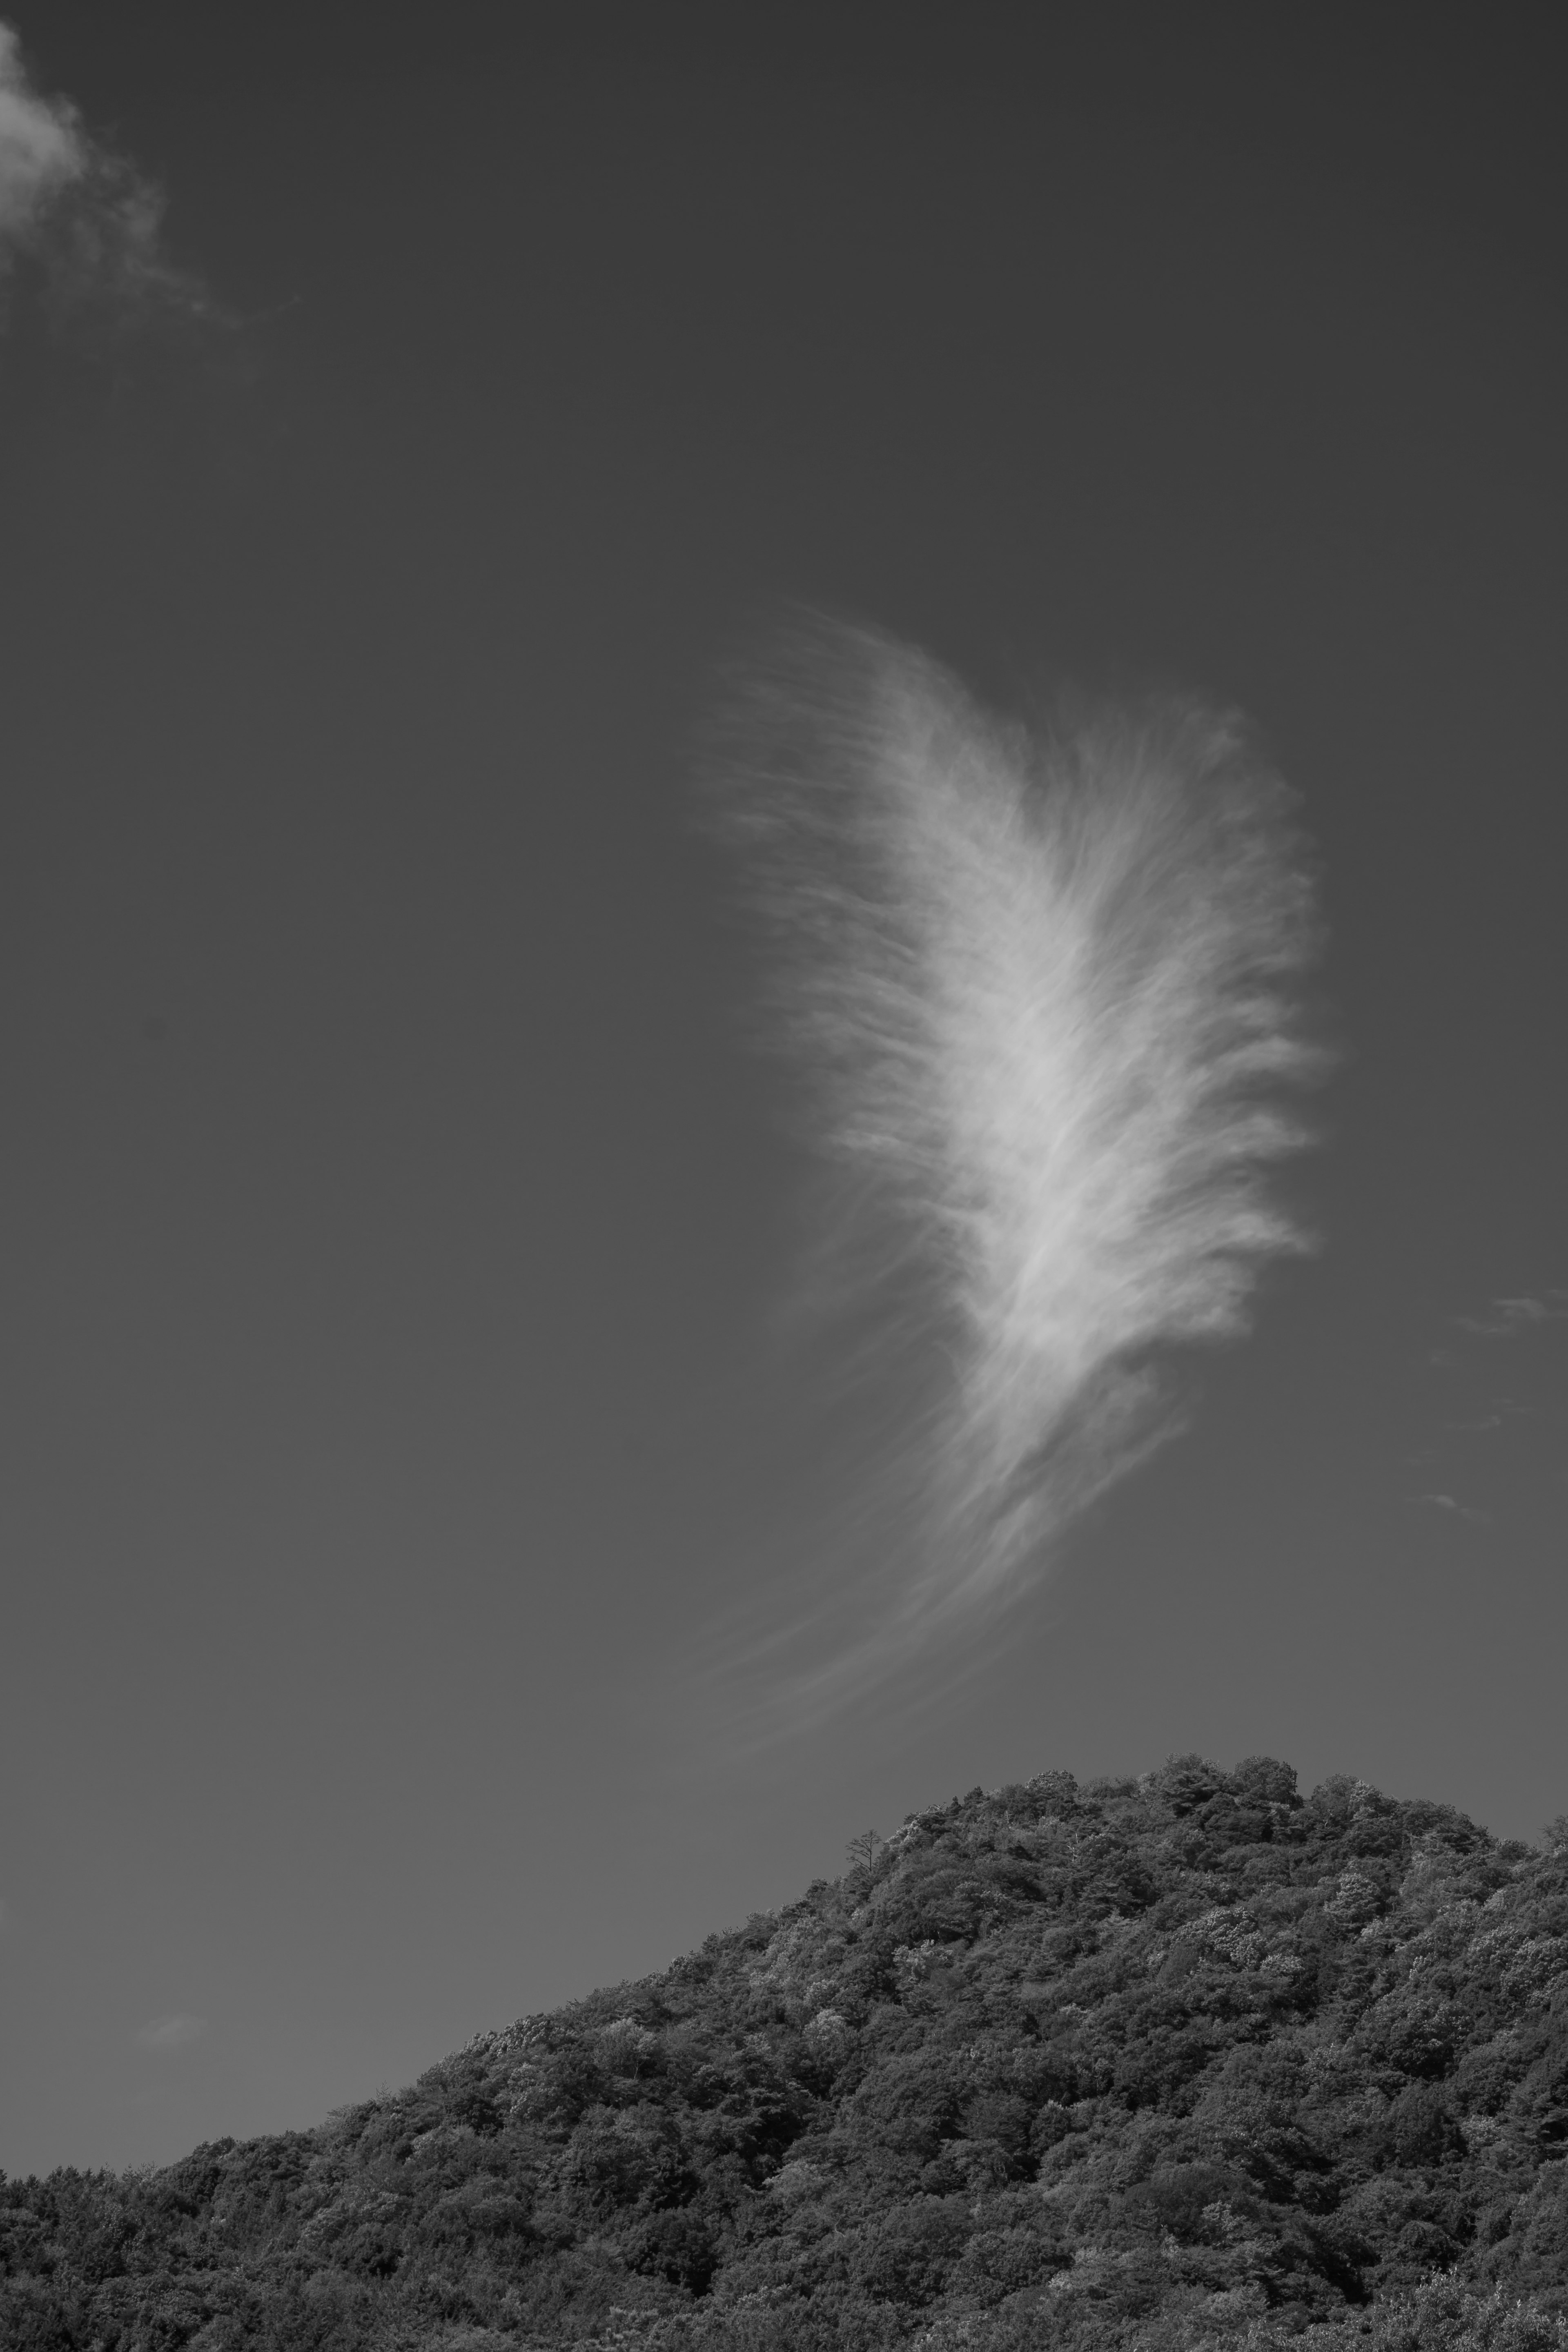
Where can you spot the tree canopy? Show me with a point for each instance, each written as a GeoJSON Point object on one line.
{"type": "Point", "coordinates": [1177, 2062]}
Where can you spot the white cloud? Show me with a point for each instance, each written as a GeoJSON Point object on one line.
{"type": "Point", "coordinates": [1046, 987]}
{"type": "Point", "coordinates": [42, 149]}
{"type": "Point", "coordinates": [172, 2032]}
{"type": "Point", "coordinates": [87, 217]}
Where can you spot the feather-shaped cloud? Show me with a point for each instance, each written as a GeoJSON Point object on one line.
{"type": "Point", "coordinates": [1046, 987]}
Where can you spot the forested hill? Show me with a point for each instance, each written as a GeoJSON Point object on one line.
{"type": "Point", "coordinates": [1180, 2060]}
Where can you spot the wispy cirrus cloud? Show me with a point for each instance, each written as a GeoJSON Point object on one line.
{"type": "Point", "coordinates": [86, 217]}
{"type": "Point", "coordinates": [166, 2033]}
{"type": "Point", "coordinates": [1045, 987]}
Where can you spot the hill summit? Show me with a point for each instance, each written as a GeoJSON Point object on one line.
{"type": "Point", "coordinates": [1178, 2062]}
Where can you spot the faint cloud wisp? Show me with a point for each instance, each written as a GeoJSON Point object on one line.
{"type": "Point", "coordinates": [1457, 1509]}
{"type": "Point", "coordinates": [166, 2033]}
{"type": "Point", "coordinates": [1045, 985]}
{"type": "Point", "coordinates": [1508, 1448]}
{"type": "Point", "coordinates": [1508, 1318]}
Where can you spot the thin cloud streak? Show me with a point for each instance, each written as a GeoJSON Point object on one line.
{"type": "Point", "coordinates": [1046, 988]}
{"type": "Point", "coordinates": [1506, 1446]}
{"type": "Point", "coordinates": [1451, 1505]}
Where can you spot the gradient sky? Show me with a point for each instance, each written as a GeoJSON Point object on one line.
{"type": "Point", "coordinates": [398, 1230]}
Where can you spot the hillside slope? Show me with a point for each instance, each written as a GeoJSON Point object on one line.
{"type": "Point", "coordinates": [1180, 2060]}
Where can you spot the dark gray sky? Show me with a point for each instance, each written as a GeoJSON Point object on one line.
{"type": "Point", "coordinates": [395, 1226]}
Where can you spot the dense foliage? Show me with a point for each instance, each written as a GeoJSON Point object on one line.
{"type": "Point", "coordinates": [1176, 2062]}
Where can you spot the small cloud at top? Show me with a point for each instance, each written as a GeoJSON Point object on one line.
{"type": "Point", "coordinates": [172, 2032]}
{"type": "Point", "coordinates": [87, 218]}
{"type": "Point", "coordinates": [42, 149]}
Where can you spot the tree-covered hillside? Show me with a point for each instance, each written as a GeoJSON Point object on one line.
{"type": "Point", "coordinates": [1180, 2060]}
